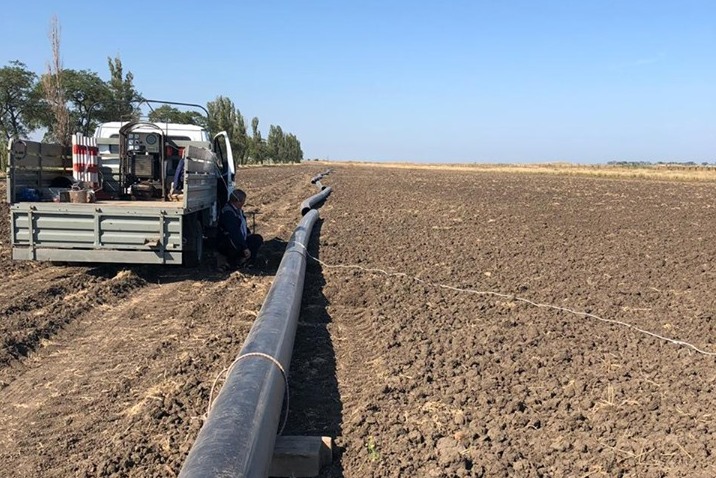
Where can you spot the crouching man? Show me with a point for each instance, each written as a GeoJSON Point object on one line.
{"type": "Point", "coordinates": [234, 240]}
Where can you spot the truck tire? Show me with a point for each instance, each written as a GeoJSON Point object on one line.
{"type": "Point", "coordinates": [193, 241]}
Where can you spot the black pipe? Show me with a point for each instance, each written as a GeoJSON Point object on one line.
{"type": "Point", "coordinates": [238, 437]}
{"type": "Point", "coordinates": [320, 176]}
{"type": "Point", "coordinates": [315, 200]}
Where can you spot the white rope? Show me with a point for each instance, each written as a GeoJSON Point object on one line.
{"type": "Point", "coordinates": [514, 298]}
{"type": "Point", "coordinates": [227, 371]}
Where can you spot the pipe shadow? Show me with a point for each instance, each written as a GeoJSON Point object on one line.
{"type": "Point", "coordinates": [315, 403]}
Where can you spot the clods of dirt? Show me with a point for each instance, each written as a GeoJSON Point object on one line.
{"type": "Point", "coordinates": [454, 323]}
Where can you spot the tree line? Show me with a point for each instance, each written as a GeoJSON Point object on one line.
{"type": "Point", "coordinates": [63, 101]}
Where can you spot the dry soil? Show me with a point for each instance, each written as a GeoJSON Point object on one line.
{"type": "Point", "coordinates": [459, 323]}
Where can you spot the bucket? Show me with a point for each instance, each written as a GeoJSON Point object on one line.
{"type": "Point", "coordinates": [78, 196]}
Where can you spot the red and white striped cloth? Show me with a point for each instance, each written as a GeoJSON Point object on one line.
{"type": "Point", "coordinates": [85, 160]}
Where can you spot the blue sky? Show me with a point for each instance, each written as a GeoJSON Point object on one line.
{"type": "Point", "coordinates": [583, 81]}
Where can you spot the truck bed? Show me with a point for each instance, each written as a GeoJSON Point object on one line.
{"type": "Point", "coordinates": [103, 231]}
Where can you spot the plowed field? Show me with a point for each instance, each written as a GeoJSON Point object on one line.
{"type": "Point", "coordinates": [457, 323]}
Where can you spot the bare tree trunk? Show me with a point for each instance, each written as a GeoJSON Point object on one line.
{"type": "Point", "coordinates": [54, 89]}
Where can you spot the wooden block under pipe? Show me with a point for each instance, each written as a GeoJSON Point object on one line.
{"type": "Point", "coordinates": [298, 456]}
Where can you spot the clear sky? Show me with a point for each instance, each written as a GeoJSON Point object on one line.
{"type": "Point", "coordinates": [583, 81]}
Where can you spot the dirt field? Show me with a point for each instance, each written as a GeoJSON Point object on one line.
{"type": "Point", "coordinates": [106, 371]}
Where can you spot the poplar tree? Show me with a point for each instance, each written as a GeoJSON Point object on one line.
{"type": "Point", "coordinates": [257, 144]}
{"type": "Point", "coordinates": [275, 148]}
{"type": "Point", "coordinates": [122, 104]}
{"type": "Point", "coordinates": [52, 84]}
{"type": "Point", "coordinates": [224, 116]}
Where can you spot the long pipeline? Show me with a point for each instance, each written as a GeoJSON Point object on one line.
{"type": "Point", "coordinates": [314, 200]}
{"type": "Point", "coordinates": [238, 437]}
{"type": "Point", "coordinates": [320, 176]}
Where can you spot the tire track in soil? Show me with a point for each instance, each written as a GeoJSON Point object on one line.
{"type": "Point", "coordinates": [47, 283]}
{"type": "Point", "coordinates": [45, 311]}
{"type": "Point", "coordinates": [16, 288]}
{"type": "Point", "coordinates": [356, 331]}
{"type": "Point", "coordinates": [276, 200]}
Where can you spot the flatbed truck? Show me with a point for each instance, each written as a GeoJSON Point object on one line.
{"type": "Point", "coordinates": [133, 212]}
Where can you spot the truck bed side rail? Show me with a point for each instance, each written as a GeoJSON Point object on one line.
{"type": "Point", "coordinates": [36, 166]}
{"type": "Point", "coordinates": [200, 178]}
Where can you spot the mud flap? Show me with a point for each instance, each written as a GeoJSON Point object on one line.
{"type": "Point", "coordinates": [193, 241]}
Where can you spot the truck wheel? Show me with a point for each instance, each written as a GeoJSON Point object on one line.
{"type": "Point", "coordinates": [194, 242]}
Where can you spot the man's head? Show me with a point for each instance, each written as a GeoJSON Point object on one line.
{"type": "Point", "coordinates": [237, 198]}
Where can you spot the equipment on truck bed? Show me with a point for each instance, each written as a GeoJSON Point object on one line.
{"type": "Point", "coordinates": [142, 161]}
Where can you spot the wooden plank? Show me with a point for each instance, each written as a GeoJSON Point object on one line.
{"type": "Point", "coordinates": [300, 456]}
{"type": "Point", "coordinates": [29, 161]}
{"type": "Point", "coordinates": [32, 147]}
{"type": "Point", "coordinates": [51, 149]}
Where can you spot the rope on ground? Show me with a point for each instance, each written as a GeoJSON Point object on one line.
{"type": "Point", "coordinates": [516, 299]}
{"type": "Point", "coordinates": [227, 371]}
